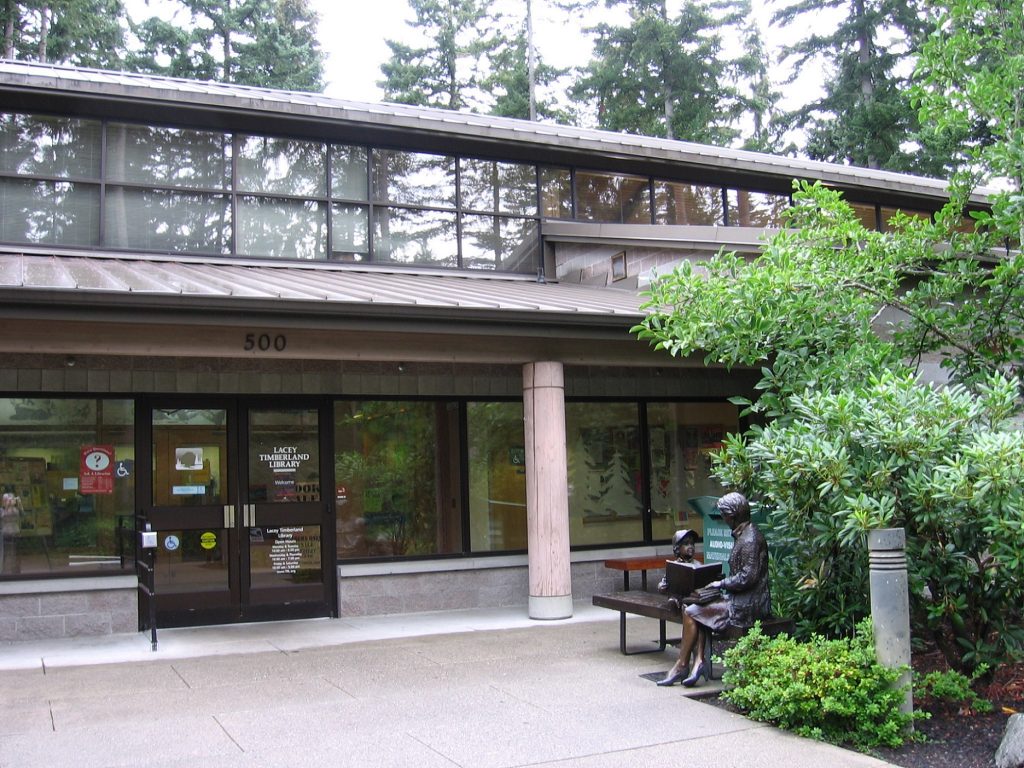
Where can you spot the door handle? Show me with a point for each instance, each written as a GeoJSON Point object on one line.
{"type": "Point", "coordinates": [229, 515]}
{"type": "Point", "coordinates": [249, 515]}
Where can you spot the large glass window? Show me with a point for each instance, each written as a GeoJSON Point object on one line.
{"type": "Point", "coordinates": [887, 213]}
{"type": "Point", "coordinates": [410, 236]}
{"type": "Point", "coordinates": [288, 229]}
{"type": "Point", "coordinates": [867, 213]}
{"type": "Point", "coordinates": [414, 178]}
{"type": "Point", "coordinates": [396, 467]}
{"type": "Point", "coordinates": [603, 453]}
{"type": "Point", "coordinates": [348, 172]}
{"type": "Point", "coordinates": [51, 212]}
{"type": "Point", "coordinates": [67, 475]}
{"type": "Point", "coordinates": [556, 193]}
{"type": "Point", "coordinates": [167, 220]}
{"type": "Point", "coordinates": [282, 166]}
{"type": "Point", "coordinates": [613, 198]}
{"type": "Point", "coordinates": [756, 209]}
{"type": "Point", "coordinates": [173, 157]}
{"type": "Point", "coordinates": [350, 232]}
{"type": "Point", "coordinates": [486, 185]}
{"type": "Point", "coordinates": [57, 147]}
{"type": "Point", "coordinates": [682, 437]}
{"type": "Point", "coordinates": [497, 476]}
{"type": "Point", "coordinates": [687, 204]}
{"type": "Point", "coordinates": [499, 243]}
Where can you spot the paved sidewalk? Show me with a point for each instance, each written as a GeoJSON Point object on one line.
{"type": "Point", "coordinates": [476, 689]}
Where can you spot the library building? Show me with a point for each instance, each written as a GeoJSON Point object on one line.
{"type": "Point", "coordinates": [341, 359]}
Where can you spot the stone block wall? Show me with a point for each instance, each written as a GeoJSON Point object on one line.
{"type": "Point", "coordinates": [387, 593]}
{"type": "Point", "coordinates": [44, 613]}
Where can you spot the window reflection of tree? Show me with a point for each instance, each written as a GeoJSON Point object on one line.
{"type": "Point", "coordinates": [164, 219]}
{"type": "Point", "coordinates": [414, 235]}
{"type": "Point", "coordinates": [687, 204]}
{"type": "Point", "coordinates": [499, 243]}
{"type": "Point", "coordinates": [408, 236]}
{"type": "Point", "coordinates": [283, 228]}
{"type": "Point", "coordinates": [47, 211]}
{"type": "Point", "coordinates": [613, 198]}
{"type": "Point", "coordinates": [556, 193]}
{"type": "Point", "coordinates": [755, 209]}
{"type": "Point", "coordinates": [487, 185]}
{"type": "Point", "coordinates": [282, 166]}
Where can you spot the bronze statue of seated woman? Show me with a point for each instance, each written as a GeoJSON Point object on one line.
{"type": "Point", "coordinates": [745, 595]}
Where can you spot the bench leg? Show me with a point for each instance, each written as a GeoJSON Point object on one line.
{"type": "Point", "coordinates": [709, 656]}
{"type": "Point", "coordinates": [622, 637]}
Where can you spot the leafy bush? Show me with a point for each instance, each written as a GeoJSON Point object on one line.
{"type": "Point", "coordinates": [942, 463]}
{"type": "Point", "coordinates": [953, 687]}
{"type": "Point", "coordinates": [830, 690]}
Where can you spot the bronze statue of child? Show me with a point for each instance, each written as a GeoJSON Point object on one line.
{"type": "Point", "coordinates": [684, 547]}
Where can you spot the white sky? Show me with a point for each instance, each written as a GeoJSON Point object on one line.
{"type": "Point", "coordinates": [352, 34]}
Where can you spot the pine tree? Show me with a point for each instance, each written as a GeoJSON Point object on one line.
{"type": "Point", "coordinates": [270, 43]}
{"type": "Point", "coordinates": [756, 92]}
{"type": "Point", "coordinates": [447, 70]}
{"type": "Point", "coordinates": [509, 83]}
{"type": "Point", "coordinates": [865, 116]}
{"type": "Point", "coordinates": [88, 33]}
{"type": "Point", "coordinates": [663, 75]}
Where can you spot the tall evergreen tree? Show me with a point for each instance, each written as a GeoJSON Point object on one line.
{"type": "Point", "coordinates": [756, 92]}
{"type": "Point", "coordinates": [508, 84]}
{"type": "Point", "coordinates": [89, 33]}
{"type": "Point", "coordinates": [865, 116]}
{"type": "Point", "coordinates": [447, 70]}
{"type": "Point", "coordinates": [662, 75]}
{"type": "Point", "coordinates": [269, 43]}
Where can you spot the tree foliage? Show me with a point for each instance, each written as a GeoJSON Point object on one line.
{"type": "Point", "coordinates": [971, 71]}
{"type": "Point", "coordinates": [854, 440]}
{"type": "Point", "coordinates": [269, 43]}
{"type": "Point", "coordinates": [939, 463]}
{"type": "Point", "coordinates": [865, 116]}
{"type": "Point", "coordinates": [665, 75]}
{"type": "Point", "coordinates": [508, 83]}
{"type": "Point", "coordinates": [445, 71]}
{"type": "Point", "coordinates": [88, 33]}
{"type": "Point", "coordinates": [840, 320]}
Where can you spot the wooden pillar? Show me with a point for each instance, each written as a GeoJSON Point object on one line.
{"type": "Point", "coordinates": [547, 492]}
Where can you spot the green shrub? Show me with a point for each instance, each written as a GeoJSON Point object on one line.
{"type": "Point", "coordinates": [830, 690]}
{"type": "Point", "coordinates": [953, 687]}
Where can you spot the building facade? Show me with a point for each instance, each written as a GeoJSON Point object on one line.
{"type": "Point", "coordinates": [346, 359]}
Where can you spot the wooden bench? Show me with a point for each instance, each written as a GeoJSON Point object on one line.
{"type": "Point", "coordinates": [642, 564]}
{"type": "Point", "coordinates": [656, 606]}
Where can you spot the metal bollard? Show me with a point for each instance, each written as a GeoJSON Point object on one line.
{"type": "Point", "coordinates": [890, 604]}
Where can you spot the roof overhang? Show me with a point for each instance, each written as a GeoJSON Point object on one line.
{"type": "Point", "coordinates": [117, 95]}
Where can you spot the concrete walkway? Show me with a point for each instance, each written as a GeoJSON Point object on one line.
{"type": "Point", "coordinates": [476, 689]}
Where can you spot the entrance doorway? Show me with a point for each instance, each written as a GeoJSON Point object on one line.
{"type": "Point", "coordinates": [244, 531]}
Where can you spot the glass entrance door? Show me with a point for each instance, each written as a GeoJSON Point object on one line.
{"type": "Point", "coordinates": [237, 505]}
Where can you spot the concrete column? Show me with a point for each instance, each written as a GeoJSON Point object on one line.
{"type": "Point", "coordinates": [890, 603]}
{"type": "Point", "coordinates": [547, 492]}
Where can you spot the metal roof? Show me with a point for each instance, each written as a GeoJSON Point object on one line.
{"type": "Point", "coordinates": [136, 88]}
{"type": "Point", "coordinates": [149, 282]}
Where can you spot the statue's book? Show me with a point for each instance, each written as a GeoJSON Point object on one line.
{"type": "Point", "coordinates": [686, 578]}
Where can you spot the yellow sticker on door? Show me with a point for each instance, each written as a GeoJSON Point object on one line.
{"type": "Point", "coordinates": [208, 540]}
